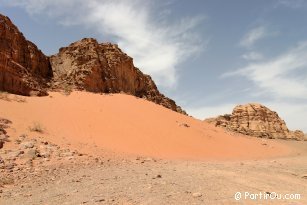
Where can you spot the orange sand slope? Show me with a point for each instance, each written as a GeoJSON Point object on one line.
{"type": "Point", "coordinates": [125, 124]}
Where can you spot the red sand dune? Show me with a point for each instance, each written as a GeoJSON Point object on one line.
{"type": "Point", "coordinates": [125, 124]}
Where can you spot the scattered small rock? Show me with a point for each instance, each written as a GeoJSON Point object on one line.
{"type": "Point", "coordinates": [184, 125]}
{"type": "Point", "coordinates": [31, 154]}
{"type": "Point", "coordinates": [13, 155]}
{"type": "Point", "coordinates": [10, 166]}
{"type": "Point", "coordinates": [67, 154]}
{"type": "Point", "coordinates": [158, 176]}
{"type": "Point", "coordinates": [196, 194]}
{"type": "Point", "coordinates": [99, 200]}
{"type": "Point", "coordinates": [27, 145]}
{"type": "Point", "coordinates": [45, 154]}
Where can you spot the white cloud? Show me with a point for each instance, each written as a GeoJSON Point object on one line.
{"type": "Point", "coordinates": [282, 81]}
{"type": "Point", "coordinates": [284, 77]}
{"type": "Point", "coordinates": [157, 46]}
{"type": "Point", "coordinates": [253, 36]}
{"type": "Point", "coordinates": [253, 56]}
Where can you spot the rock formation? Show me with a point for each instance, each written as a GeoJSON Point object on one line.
{"type": "Point", "coordinates": [84, 65]}
{"type": "Point", "coordinates": [24, 69]}
{"type": "Point", "coordinates": [256, 120]}
{"type": "Point", "coordinates": [88, 65]}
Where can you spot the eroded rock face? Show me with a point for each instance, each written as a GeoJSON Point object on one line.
{"type": "Point", "coordinates": [24, 69]}
{"type": "Point", "coordinates": [83, 65]}
{"type": "Point", "coordinates": [256, 120]}
{"type": "Point", "coordinates": [88, 65]}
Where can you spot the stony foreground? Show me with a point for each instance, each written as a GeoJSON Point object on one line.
{"type": "Point", "coordinates": [76, 179]}
{"type": "Point", "coordinates": [47, 162]}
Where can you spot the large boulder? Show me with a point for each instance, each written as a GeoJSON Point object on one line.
{"type": "Point", "coordinates": [103, 67]}
{"type": "Point", "coordinates": [23, 67]}
{"type": "Point", "coordinates": [256, 120]}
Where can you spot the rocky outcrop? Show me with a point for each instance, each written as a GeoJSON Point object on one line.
{"type": "Point", "coordinates": [83, 65]}
{"type": "Point", "coordinates": [256, 120]}
{"type": "Point", "coordinates": [88, 65]}
{"type": "Point", "coordinates": [298, 134]}
{"type": "Point", "coordinates": [24, 69]}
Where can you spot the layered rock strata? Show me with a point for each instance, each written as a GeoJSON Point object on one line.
{"type": "Point", "coordinates": [256, 120]}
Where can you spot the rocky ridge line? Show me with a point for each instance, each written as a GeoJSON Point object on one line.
{"type": "Point", "coordinates": [83, 65]}
{"type": "Point", "coordinates": [104, 68]}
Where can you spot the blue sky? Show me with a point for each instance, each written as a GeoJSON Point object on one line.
{"type": "Point", "coordinates": [207, 55]}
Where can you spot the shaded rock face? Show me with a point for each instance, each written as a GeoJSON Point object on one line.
{"type": "Point", "coordinates": [88, 65]}
{"type": "Point", "coordinates": [256, 120]}
{"type": "Point", "coordinates": [23, 67]}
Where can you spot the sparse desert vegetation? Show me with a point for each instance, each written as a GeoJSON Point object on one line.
{"type": "Point", "coordinates": [36, 127]}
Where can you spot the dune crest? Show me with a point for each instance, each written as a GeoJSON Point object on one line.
{"type": "Point", "coordinates": [125, 124]}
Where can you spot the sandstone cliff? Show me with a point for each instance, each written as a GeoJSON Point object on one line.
{"type": "Point", "coordinates": [88, 65]}
{"type": "Point", "coordinates": [84, 65]}
{"type": "Point", "coordinates": [24, 69]}
{"type": "Point", "coordinates": [256, 120]}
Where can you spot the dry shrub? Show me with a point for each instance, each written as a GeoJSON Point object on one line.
{"type": "Point", "coordinates": [36, 127]}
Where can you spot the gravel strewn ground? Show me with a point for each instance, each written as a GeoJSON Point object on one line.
{"type": "Point", "coordinates": [90, 180]}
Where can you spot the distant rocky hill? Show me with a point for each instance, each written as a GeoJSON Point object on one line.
{"type": "Point", "coordinates": [83, 65]}
{"type": "Point", "coordinates": [256, 120]}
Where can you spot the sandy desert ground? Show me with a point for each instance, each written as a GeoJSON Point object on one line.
{"type": "Point", "coordinates": [86, 148]}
